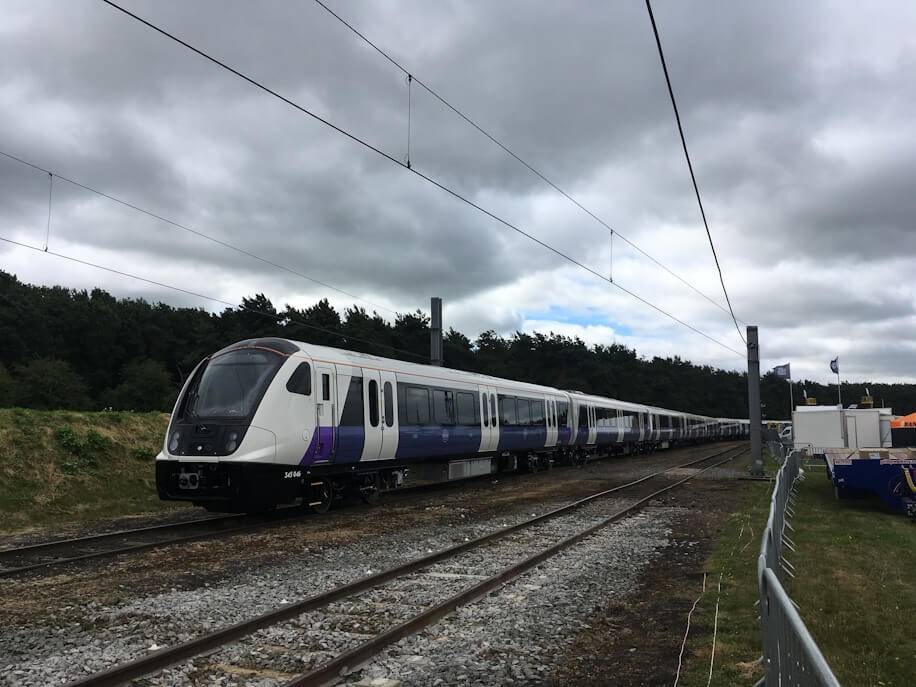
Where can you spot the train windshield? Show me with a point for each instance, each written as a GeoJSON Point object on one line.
{"type": "Point", "coordinates": [232, 384]}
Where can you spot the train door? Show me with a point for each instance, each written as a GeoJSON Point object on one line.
{"type": "Point", "coordinates": [372, 416]}
{"type": "Point", "coordinates": [325, 405]}
{"type": "Point", "coordinates": [592, 425]}
{"type": "Point", "coordinates": [488, 433]}
{"type": "Point", "coordinates": [551, 422]}
{"type": "Point", "coordinates": [490, 436]}
{"type": "Point", "coordinates": [389, 415]}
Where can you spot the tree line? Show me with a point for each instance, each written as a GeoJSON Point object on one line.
{"type": "Point", "coordinates": [87, 350]}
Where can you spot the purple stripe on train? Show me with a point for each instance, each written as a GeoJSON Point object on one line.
{"type": "Point", "coordinates": [320, 446]}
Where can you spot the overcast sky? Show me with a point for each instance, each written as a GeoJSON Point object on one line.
{"type": "Point", "coordinates": [799, 118]}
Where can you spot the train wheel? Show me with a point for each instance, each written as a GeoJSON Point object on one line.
{"type": "Point", "coordinates": [322, 495]}
{"type": "Point", "coordinates": [369, 489]}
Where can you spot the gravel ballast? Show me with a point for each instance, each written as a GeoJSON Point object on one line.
{"type": "Point", "coordinates": [49, 653]}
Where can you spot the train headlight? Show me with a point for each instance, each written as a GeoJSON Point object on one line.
{"type": "Point", "coordinates": [233, 442]}
{"type": "Point", "coordinates": [173, 442]}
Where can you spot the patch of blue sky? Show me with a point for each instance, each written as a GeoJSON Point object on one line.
{"type": "Point", "coordinates": [588, 317]}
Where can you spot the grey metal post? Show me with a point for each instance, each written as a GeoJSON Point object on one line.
{"type": "Point", "coordinates": [435, 331]}
{"type": "Point", "coordinates": [753, 399]}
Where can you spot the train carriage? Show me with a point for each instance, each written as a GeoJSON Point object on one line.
{"type": "Point", "coordinates": [270, 421]}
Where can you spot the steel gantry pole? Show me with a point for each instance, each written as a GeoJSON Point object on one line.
{"type": "Point", "coordinates": [753, 399]}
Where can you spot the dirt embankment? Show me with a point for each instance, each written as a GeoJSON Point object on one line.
{"type": "Point", "coordinates": [61, 466]}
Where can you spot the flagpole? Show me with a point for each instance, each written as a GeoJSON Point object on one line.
{"type": "Point", "coordinates": [839, 394]}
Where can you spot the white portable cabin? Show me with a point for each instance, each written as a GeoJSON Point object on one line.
{"type": "Point", "coordinates": [823, 427]}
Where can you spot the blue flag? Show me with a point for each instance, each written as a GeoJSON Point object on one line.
{"type": "Point", "coordinates": [782, 371]}
{"type": "Point", "coordinates": [835, 365]}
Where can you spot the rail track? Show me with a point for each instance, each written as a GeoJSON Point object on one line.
{"type": "Point", "coordinates": [381, 608]}
{"type": "Point", "coordinates": [22, 559]}
{"type": "Point", "coordinates": [41, 556]}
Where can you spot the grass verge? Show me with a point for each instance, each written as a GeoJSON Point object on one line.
{"type": "Point", "coordinates": [854, 564]}
{"type": "Point", "coordinates": [61, 466]}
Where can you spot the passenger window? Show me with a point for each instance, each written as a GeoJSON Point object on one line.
{"type": "Point", "coordinates": [466, 414]}
{"type": "Point", "coordinates": [373, 403]}
{"type": "Point", "coordinates": [562, 413]}
{"type": "Point", "coordinates": [507, 411]}
{"type": "Point", "coordinates": [524, 412]}
{"type": "Point", "coordinates": [325, 387]}
{"type": "Point", "coordinates": [300, 382]}
{"type": "Point", "coordinates": [537, 413]}
{"type": "Point", "coordinates": [443, 407]}
{"type": "Point", "coordinates": [417, 406]}
{"type": "Point", "coordinates": [389, 405]}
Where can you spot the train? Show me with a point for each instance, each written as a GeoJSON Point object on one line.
{"type": "Point", "coordinates": [271, 422]}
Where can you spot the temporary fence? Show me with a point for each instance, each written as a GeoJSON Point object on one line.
{"type": "Point", "coordinates": [790, 655]}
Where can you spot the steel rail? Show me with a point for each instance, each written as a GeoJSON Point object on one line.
{"type": "Point", "coordinates": [108, 535]}
{"type": "Point", "coordinates": [78, 541]}
{"type": "Point", "coordinates": [168, 656]}
{"type": "Point", "coordinates": [354, 658]}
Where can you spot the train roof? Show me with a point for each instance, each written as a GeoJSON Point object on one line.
{"type": "Point", "coordinates": [342, 356]}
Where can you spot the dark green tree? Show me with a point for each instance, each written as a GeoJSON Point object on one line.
{"type": "Point", "coordinates": [7, 387]}
{"type": "Point", "coordinates": [48, 384]}
{"type": "Point", "coordinates": [145, 385]}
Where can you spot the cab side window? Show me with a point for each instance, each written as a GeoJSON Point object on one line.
{"type": "Point", "coordinates": [300, 382]}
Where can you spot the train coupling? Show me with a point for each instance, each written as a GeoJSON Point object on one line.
{"type": "Point", "coordinates": [188, 481]}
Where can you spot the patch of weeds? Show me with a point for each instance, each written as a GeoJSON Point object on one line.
{"type": "Point", "coordinates": [68, 439]}
{"type": "Point", "coordinates": [143, 453]}
{"type": "Point", "coordinates": [21, 417]}
{"type": "Point", "coordinates": [84, 454]}
{"type": "Point", "coordinates": [97, 443]}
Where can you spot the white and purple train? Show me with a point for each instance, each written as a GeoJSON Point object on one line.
{"type": "Point", "coordinates": [269, 422]}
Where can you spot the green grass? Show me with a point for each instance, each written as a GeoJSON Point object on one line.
{"type": "Point", "coordinates": [737, 627]}
{"type": "Point", "coordinates": [63, 466]}
{"type": "Point", "coordinates": [853, 583]}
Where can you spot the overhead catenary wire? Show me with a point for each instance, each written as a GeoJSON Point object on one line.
{"type": "Point", "coordinates": [276, 317]}
{"type": "Point", "coordinates": [50, 198]}
{"type": "Point", "coordinates": [186, 228]}
{"type": "Point", "coordinates": [356, 139]}
{"type": "Point", "coordinates": [518, 158]}
{"type": "Point", "coordinates": [693, 178]}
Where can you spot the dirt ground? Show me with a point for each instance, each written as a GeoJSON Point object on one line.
{"type": "Point", "coordinates": [634, 642]}
{"type": "Point", "coordinates": [637, 641]}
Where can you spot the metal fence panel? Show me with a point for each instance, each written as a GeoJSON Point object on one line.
{"type": "Point", "coordinates": [790, 655]}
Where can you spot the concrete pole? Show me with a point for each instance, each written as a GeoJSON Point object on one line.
{"type": "Point", "coordinates": [753, 399]}
{"type": "Point", "coordinates": [435, 331]}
